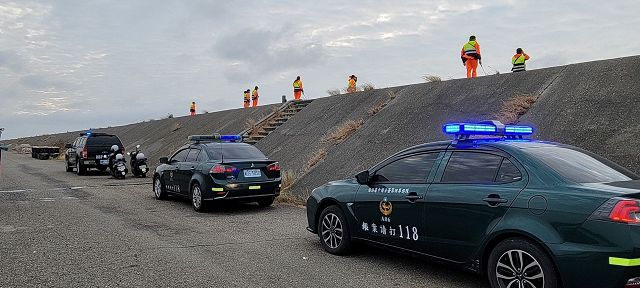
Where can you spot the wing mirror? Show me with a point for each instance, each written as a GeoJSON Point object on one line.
{"type": "Point", "coordinates": [363, 177]}
{"type": "Point", "coordinates": [67, 146]}
{"type": "Point", "coordinates": [164, 160]}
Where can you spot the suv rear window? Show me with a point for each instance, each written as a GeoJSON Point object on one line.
{"type": "Point", "coordinates": [580, 166]}
{"type": "Point", "coordinates": [104, 140]}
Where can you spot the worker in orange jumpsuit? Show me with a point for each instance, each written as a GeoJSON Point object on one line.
{"type": "Point", "coordinates": [297, 89]}
{"type": "Point", "coordinates": [351, 84]}
{"type": "Point", "coordinates": [192, 109]}
{"type": "Point", "coordinates": [254, 96]}
{"type": "Point", "coordinates": [247, 98]}
{"type": "Point", "coordinates": [470, 55]}
{"type": "Point", "coordinates": [518, 61]}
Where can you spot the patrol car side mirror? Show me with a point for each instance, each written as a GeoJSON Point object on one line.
{"type": "Point", "coordinates": [67, 146]}
{"type": "Point", "coordinates": [164, 160]}
{"type": "Point", "coordinates": [363, 177]}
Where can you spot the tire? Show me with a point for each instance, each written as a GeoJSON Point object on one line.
{"type": "Point", "coordinates": [67, 167]}
{"type": "Point", "coordinates": [333, 231]}
{"type": "Point", "coordinates": [521, 260]}
{"type": "Point", "coordinates": [158, 189]}
{"type": "Point", "coordinates": [80, 170]}
{"type": "Point", "coordinates": [197, 203]}
{"type": "Point", "coordinates": [265, 201]}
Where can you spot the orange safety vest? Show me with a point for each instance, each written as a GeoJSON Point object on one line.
{"type": "Point", "coordinates": [297, 85]}
{"type": "Point", "coordinates": [254, 94]}
{"type": "Point", "coordinates": [247, 97]}
{"type": "Point", "coordinates": [352, 83]}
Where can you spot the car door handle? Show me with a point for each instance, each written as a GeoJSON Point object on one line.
{"type": "Point", "coordinates": [494, 200]}
{"type": "Point", "coordinates": [413, 197]}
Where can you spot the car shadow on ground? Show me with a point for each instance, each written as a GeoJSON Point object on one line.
{"type": "Point", "coordinates": [224, 207]}
{"type": "Point", "coordinates": [412, 264]}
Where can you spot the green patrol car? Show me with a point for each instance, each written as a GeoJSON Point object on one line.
{"type": "Point", "coordinates": [215, 168]}
{"type": "Point", "coordinates": [525, 213]}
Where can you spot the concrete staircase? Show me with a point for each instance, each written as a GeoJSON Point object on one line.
{"type": "Point", "coordinates": [272, 121]}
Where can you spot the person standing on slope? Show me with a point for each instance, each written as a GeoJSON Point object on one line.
{"type": "Point", "coordinates": [297, 89]}
{"type": "Point", "coordinates": [351, 84]}
{"type": "Point", "coordinates": [192, 109]}
{"type": "Point", "coordinates": [247, 98]}
{"type": "Point", "coordinates": [470, 55]}
{"type": "Point", "coordinates": [254, 96]}
{"type": "Point", "coordinates": [518, 61]}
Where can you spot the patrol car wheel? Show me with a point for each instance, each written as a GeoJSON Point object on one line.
{"type": "Point", "coordinates": [158, 189]}
{"type": "Point", "coordinates": [265, 201]}
{"type": "Point", "coordinates": [196, 198]}
{"type": "Point", "coordinates": [518, 262]}
{"type": "Point", "coordinates": [333, 231]}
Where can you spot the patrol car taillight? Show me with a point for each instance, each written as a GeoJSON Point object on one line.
{"type": "Point", "coordinates": [273, 167]}
{"type": "Point", "coordinates": [626, 211]}
{"type": "Point", "coordinates": [85, 153]}
{"type": "Point", "coordinates": [223, 169]}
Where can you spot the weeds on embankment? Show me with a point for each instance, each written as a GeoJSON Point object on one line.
{"type": "Point", "coordinates": [515, 107]}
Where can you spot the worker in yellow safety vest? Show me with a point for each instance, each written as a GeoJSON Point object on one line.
{"type": "Point", "coordinates": [192, 109]}
{"type": "Point", "coordinates": [297, 88]}
{"type": "Point", "coordinates": [470, 55]}
{"type": "Point", "coordinates": [254, 97]}
{"type": "Point", "coordinates": [247, 98]}
{"type": "Point", "coordinates": [518, 61]}
{"type": "Point", "coordinates": [351, 84]}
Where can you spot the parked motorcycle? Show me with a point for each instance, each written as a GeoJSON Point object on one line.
{"type": "Point", "coordinates": [117, 162]}
{"type": "Point", "coordinates": [138, 163]}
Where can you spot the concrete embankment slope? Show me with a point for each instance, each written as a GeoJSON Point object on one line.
{"type": "Point", "coordinates": [161, 137]}
{"type": "Point", "coordinates": [591, 105]}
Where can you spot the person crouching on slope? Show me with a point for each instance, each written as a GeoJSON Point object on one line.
{"type": "Point", "coordinates": [518, 61]}
{"type": "Point", "coordinates": [470, 55]}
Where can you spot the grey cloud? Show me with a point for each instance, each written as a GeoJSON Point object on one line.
{"type": "Point", "coordinates": [40, 82]}
{"type": "Point", "coordinates": [11, 61]}
{"type": "Point", "coordinates": [254, 51]}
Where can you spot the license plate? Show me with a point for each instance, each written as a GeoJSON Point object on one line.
{"type": "Point", "coordinates": [104, 162]}
{"type": "Point", "coordinates": [252, 173]}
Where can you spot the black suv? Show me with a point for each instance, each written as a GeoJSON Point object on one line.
{"type": "Point", "coordinates": [90, 150]}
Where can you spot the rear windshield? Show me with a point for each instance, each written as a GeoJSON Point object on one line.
{"type": "Point", "coordinates": [104, 140]}
{"type": "Point", "coordinates": [236, 151]}
{"type": "Point", "coordinates": [581, 166]}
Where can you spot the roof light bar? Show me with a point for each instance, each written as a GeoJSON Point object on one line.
{"type": "Point", "coordinates": [215, 138]}
{"type": "Point", "coordinates": [492, 127]}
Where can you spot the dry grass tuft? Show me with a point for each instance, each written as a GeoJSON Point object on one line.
{"type": "Point", "coordinates": [431, 78]}
{"type": "Point", "coordinates": [374, 110]}
{"type": "Point", "coordinates": [60, 156]}
{"type": "Point", "coordinates": [286, 195]}
{"type": "Point", "coordinates": [176, 127]}
{"type": "Point", "coordinates": [315, 158]}
{"type": "Point", "coordinates": [514, 108]}
{"type": "Point", "coordinates": [334, 92]}
{"type": "Point", "coordinates": [392, 94]}
{"type": "Point", "coordinates": [343, 131]}
{"type": "Point", "coordinates": [367, 87]}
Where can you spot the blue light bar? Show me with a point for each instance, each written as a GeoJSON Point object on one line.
{"type": "Point", "coordinates": [518, 130]}
{"type": "Point", "coordinates": [492, 127]}
{"type": "Point", "coordinates": [229, 137]}
{"type": "Point", "coordinates": [88, 133]}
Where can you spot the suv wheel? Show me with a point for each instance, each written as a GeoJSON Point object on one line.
{"type": "Point", "coordinates": [333, 231]}
{"type": "Point", "coordinates": [80, 170]}
{"type": "Point", "coordinates": [265, 201]}
{"type": "Point", "coordinates": [196, 198]}
{"type": "Point", "coordinates": [158, 189]}
{"type": "Point", "coordinates": [517, 262]}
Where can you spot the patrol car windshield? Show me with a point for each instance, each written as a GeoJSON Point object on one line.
{"type": "Point", "coordinates": [581, 166]}
{"type": "Point", "coordinates": [235, 151]}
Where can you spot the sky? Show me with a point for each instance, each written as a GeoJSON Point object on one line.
{"type": "Point", "coordinates": [73, 65]}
